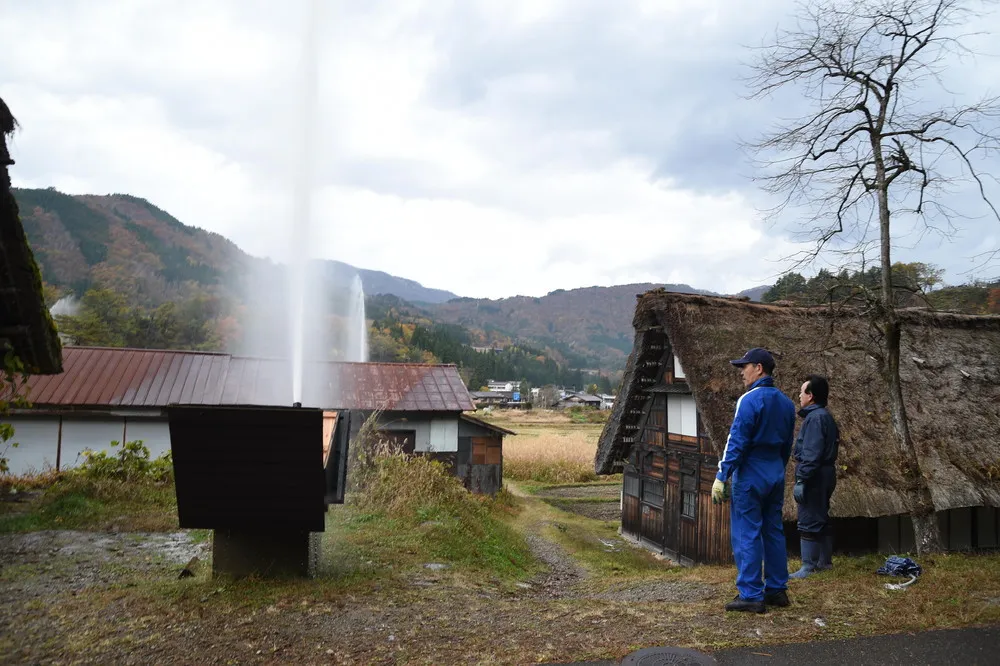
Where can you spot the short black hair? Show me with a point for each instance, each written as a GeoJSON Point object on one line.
{"type": "Point", "coordinates": [818, 388]}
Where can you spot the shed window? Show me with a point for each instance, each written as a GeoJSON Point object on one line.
{"type": "Point", "coordinates": [486, 451]}
{"type": "Point", "coordinates": [689, 496]}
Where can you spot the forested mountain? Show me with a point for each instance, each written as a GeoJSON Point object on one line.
{"type": "Point", "coordinates": [142, 278]}
{"type": "Point", "coordinates": [127, 244]}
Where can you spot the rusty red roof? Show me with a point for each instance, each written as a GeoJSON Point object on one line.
{"type": "Point", "coordinates": [144, 378]}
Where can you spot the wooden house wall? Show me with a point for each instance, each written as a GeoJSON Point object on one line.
{"type": "Point", "coordinates": [667, 485]}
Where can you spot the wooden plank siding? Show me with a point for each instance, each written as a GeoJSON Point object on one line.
{"type": "Point", "coordinates": [663, 467]}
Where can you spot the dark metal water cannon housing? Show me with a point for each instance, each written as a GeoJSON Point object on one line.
{"type": "Point", "coordinates": [297, 404]}
{"type": "Point", "coordinates": [261, 479]}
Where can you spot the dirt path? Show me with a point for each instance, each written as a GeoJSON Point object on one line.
{"type": "Point", "coordinates": [563, 572]}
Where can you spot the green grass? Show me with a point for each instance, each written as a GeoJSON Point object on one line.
{"type": "Point", "coordinates": [74, 501]}
{"type": "Point", "coordinates": [411, 510]}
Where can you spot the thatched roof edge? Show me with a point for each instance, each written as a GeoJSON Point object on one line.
{"type": "Point", "coordinates": [951, 377]}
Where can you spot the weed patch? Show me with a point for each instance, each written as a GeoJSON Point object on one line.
{"type": "Point", "coordinates": [411, 509]}
{"type": "Point", "coordinates": [123, 492]}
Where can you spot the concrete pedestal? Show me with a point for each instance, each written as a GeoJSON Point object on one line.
{"type": "Point", "coordinates": [265, 553]}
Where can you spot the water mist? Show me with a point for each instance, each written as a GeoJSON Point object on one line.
{"type": "Point", "coordinates": [357, 324]}
{"type": "Point", "coordinates": [300, 254]}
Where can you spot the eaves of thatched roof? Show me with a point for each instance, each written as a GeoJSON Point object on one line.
{"type": "Point", "coordinates": [950, 370]}
{"type": "Point", "coordinates": [25, 322]}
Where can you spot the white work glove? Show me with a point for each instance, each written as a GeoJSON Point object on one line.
{"type": "Point", "coordinates": [720, 492]}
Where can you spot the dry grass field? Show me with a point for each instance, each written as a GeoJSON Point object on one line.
{"type": "Point", "coordinates": [549, 446]}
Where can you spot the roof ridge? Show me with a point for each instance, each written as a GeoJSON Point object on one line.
{"type": "Point", "coordinates": [142, 349]}
{"type": "Point", "coordinates": [196, 352]}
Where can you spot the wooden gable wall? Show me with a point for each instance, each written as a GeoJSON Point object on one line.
{"type": "Point", "coordinates": [667, 502]}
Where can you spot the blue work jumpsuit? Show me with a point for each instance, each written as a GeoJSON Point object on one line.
{"type": "Point", "coordinates": [757, 450]}
{"type": "Point", "coordinates": [816, 456]}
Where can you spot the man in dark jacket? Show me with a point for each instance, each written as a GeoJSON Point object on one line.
{"type": "Point", "coordinates": [815, 475]}
{"type": "Point", "coordinates": [757, 450]}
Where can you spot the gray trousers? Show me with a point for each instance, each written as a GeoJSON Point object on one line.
{"type": "Point", "coordinates": [814, 512]}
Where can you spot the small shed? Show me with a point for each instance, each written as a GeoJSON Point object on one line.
{"type": "Point", "coordinates": [678, 393]}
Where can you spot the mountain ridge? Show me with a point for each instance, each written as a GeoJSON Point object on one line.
{"type": "Point", "coordinates": [129, 245]}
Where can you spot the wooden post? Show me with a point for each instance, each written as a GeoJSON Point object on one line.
{"type": "Point", "coordinates": [59, 444]}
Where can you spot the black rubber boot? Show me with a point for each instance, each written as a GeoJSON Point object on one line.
{"type": "Point", "coordinates": [741, 604]}
{"type": "Point", "coordinates": [779, 599]}
{"type": "Point", "coordinates": [810, 558]}
{"type": "Point", "coordinates": [825, 554]}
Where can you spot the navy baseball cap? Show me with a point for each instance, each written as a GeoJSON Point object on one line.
{"type": "Point", "coordinates": [756, 355]}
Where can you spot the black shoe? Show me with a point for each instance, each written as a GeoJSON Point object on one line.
{"type": "Point", "coordinates": [779, 598]}
{"type": "Point", "coordinates": [741, 604]}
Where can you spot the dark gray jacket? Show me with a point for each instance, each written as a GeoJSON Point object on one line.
{"type": "Point", "coordinates": [817, 443]}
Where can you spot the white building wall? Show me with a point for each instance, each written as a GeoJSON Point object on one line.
{"type": "Point", "coordinates": [155, 435]}
{"type": "Point", "coordinates": [439, 435]}
{"type": "Point", "coordinates": [93, 434]}
{"type": "Point", "coordinates": [422, 432]}
{"type": "Point", "coordinates": [37, 440]}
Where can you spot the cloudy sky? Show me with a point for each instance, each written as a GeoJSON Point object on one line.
{"type": "Point", "coordinates": [490, 148]}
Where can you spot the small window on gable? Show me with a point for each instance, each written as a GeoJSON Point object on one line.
{"type": "Point", "coordinates": [678, 370]}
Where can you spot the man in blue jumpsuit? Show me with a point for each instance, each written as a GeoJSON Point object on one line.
{"type": "Point", "coordinates": [815, 475]}
{"type": "Point", "coordinates": [757, 450]}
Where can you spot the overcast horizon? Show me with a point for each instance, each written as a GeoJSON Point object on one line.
{"type": "Point", "coordinates": [490, 149]}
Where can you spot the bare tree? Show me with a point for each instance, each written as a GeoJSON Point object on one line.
{"type": "Point", "coordinates": [874, 148]}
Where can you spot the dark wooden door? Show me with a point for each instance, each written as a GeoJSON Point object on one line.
{"type": "Point", "coordinates": [631, 510]}
{"type": "Point", "coordinates": [654, 468]}
{"type": "Point", "coordinates": [687, 507]}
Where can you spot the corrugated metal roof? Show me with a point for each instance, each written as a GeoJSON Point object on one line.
{"type": "Point", "coordinates": [486, 424]}
{"type": "Point", "coordinates": [140, 378]}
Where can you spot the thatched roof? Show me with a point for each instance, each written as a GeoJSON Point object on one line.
{"type": "Point", "coordinates": [25, 323]}
{"type": "Point", "coordinates": [951, 381]}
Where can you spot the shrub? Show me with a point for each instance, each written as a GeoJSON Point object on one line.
{"type": "Point", "coordinates": [130, 464]}
{"type": "Point", "coordinates": [581, 414]}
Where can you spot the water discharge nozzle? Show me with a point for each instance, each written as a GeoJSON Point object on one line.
{"type": "Point", "coordinates": [296, 404]}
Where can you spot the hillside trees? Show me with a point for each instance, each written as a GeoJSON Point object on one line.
{"type": "Point", "coordinates": [106, 319]}
{"type": "Point", "coordinates": [399, 332]}
{"type": "Point", "coordinates": [876, 151]}
{"type": "Point", "coordinates": [914, 284]}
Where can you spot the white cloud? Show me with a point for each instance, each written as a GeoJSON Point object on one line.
{"type": "Point", "coordinates": [488, 148]}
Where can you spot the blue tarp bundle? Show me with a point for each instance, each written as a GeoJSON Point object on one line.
{"type": "Point", "coordinates": [899, 566]}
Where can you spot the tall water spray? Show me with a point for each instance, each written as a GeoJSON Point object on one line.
{"type": "Point", "coordinates": [302, 191]}
{"type": "Point", "coordinates": [357, 324]}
